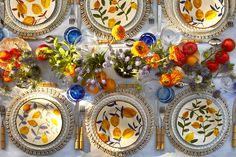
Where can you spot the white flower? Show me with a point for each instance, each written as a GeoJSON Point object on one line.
{"type": "Point", "coordinates": [198, 79]}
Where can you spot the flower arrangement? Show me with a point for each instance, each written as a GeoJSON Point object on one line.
{"type": "Point", "coordinates": [18, 65]}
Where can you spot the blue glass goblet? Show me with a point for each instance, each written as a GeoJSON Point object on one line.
{"type": "Point", "coordinates": [165, 94]}
{"type": "Point", "coordinates": [148, 38]}
{"type": "Point", "coordinates": [72, 35]}
{"type": "Point", "coordinates": [75, 93]}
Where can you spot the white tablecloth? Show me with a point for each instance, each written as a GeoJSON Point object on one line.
{"type": "Point", "coordinates": [149, 150]}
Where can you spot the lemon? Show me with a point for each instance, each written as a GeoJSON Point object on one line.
{"type": "Point", "coordinates": [199, 14]}
{"type": "Point", "coordinates": [191, 60]}
{"type": "Point", "coordinates": [36, 9]}
{"type": "Point", "coordinates": [189, 137]}
{"type": "Point", "coordinates": [211, 14]}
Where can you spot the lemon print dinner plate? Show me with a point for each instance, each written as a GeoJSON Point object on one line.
{"type": "Point", "coordinates": [197, 123]}
{"type": "Point", "coordinates": [34, 17]}
{"type": "Point", "coordinates": [40, 121]}
{"type": "Point", "coordinates": [200, 19]}
{"type": "Point", "coordinates": [102, 15]}
{"type": "Point", "coordinates": [119, 123]}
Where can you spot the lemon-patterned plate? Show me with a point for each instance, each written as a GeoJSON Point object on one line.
{"type": "Point", "coordinates": [200, 19]}
{"type": "Point", "coordinates": [40, 121]}
{"type": "Point", "coordinates": [119, 123]}
{"type": "Point", "coordinates": [102, 15]}
{"type": "Point", "coordinates": [197, 123]}
{"type": "Point", "coordinates": [34, 17]}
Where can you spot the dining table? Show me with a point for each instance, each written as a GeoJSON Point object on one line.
{"type": "Point", "coordinates": [150, 95]}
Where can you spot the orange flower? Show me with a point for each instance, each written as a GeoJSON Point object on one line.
{"type": "Point", "coordinates": [70, 69]}
{"type": "Point", "coordinates": [118, 32]}
{"type": "Point", "coordinates": [176, 76]}
{"type": "Point", "coordinates": [171, 79]}
{"type": "Point", "coordinates": [165, 80]}
{"type": "Point", "coordinates": [153, 61]}
{"type": "Point", "coordinates": [200, 119]}
{"type": "Point", "coordinates": [177, 56]}
{"type": "Point", "coordinates": [211, 110]}
{"type": "Point", "coordinates": [185, 114]}
{"type": "Point", "coordinates": [196, 125]}
{"type": "Point", "coordinates": [112, 9]}
{"type": "Point", "coordinates": [140, 49]}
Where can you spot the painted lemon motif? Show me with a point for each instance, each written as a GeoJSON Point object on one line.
{"type": "Point", "coordinates": [187, 18]}
{"type": "Point", "coordinates": [197, 3]}
{"type": "Point", "coordinates": [129, 112]}
{"type": "Point", "coordinates": [22, 8]}
{"type": "Point", "coordinates": [112, 9]}
{"type": "Point", "coordinates": [24, 130]}
{"type": "Point", "coordinates": [56, 112]}
{"type": "Point", "coordinates": [103, 137]}
{"type": "Point", "coordinates": [44, 138]}
{"type": "Point", "coordinates": [111, 22]}
{"type": "Point", "coordinates": [117, 133]}
{"type": "Point", "coordinates": [36, 8]}
{"type": "Point", "coordinates": [196, 125]}
{"type": "Point", "coordinates": [30, 0]}
{"type": "Point", "coordinates": [54, 121]}
{"type": "Point", "coordinates": [96, 5]}
{"type": "Point", "coordinates": [36, 114]}
{"type": "Point", "coordinates": [189, 137]}
{"type": "Point", "coordinates": [105, 124]}
{"type": "Point", "coordinates": [211, 14]}
{"type": "Point", "coordinates": [216, 132]}
{"type": "Point", "coordinates": [188, 5]}
{"type": "Point", "coordinates": [128, 133]}
{"type": "Point", "coordinates": [29, 20]}
{"type": "Point", "coordinates": [45, 3]}
{"type": "Point", "coordinates": [33, 123]}
{"type": "Point", "coordinates": [26, 107]}
{"type": "Point", "coordinates": [115, 120]}
{"type": "Point", "coordinates": [199, 14]}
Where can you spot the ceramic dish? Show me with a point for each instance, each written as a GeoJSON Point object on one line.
{"type": "Point", "coordinates": [197, 123]}
{"type": "Point", "coordinates": [119, 123]}
{"type": "Point", "coordinates": [40, 121]}
{"type": "Point", "coordinates": [200, 19]}
{"type": "Point", "coordinates": [102, 15]}
{"type": "Point", "coordinates": [32, 18]}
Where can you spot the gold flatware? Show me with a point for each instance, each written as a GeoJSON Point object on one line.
{"type": "Point", "coordinates": [81, 136]}
{"type": "Point", "coordinates": [77, 119]}
{"type": "Point", "coordinates": [234, 125]}
{"type": "Point", "coordinates": [3, 114]}
{"type": "Point", "coordinates": [162, 112]}
{"type": "Point", "coordinates": [158, 126]}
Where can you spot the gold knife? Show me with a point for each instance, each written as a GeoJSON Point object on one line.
{"type": "Point", "coordinates": [234, 125]}
{"type": "Point", "coordinates": [77, 130]}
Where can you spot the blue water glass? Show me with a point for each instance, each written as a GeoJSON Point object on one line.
{"type": "Point", "coordinates": [72, 35]}
{"type": "Point", "coordinates": [75, 93]}
{"type": "Point", "coordinates": [148, 38]}
{"type": "Point", "coordinates": [165, 94]}
{"type": "Point", "coordinates": [1, 34]}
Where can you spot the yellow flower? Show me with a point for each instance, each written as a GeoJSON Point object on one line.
{"type": "Point", "coordinates": [216, 132]}
{"type": "Point", "coordinates": [185, 114]}
{"type": "Point", "coordinates": [211, 110]}
{"type": "Point", "coordinates": [118, 32]}
{"type": "Point", "coordinates": [70, 69]}
{"type": "Point", "coordinates": [153, 61]}
{"type": "Point", "coordinates": [112, 9]}
{"type": "Point", "coordinates": [140, 49]}
{"type": "Point", "coordinates": [209, 102]}
{"type": "Point", "coordinates": [176, 76]}
{"type": "Point", "coordinates": [177, 55]}
{"type": "Point", "coordinates": [133, 5]}
{"type": "Point", "coordinates": [189, 137]}
{"type": "Point", "coordinates": [111, 22]}
{"type": "Point", "coordinates": [196, 125]}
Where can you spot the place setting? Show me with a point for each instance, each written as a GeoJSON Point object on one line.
{"type": "Point", "coordinates": [113, 75]}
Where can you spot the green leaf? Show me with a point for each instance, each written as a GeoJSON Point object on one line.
{"type": "Point", "coordinates": [120, 13]}
{"type": "Point", "coordinates": [103, 2]}
{"type": "Point", "coordinates": [194, 105]}
{"type": "Point", "coordinates": [191, 114]}
{"type": "Point", "coordinates": [209, 134]}
{"type": "Point", "coordinates": [206, 54]}
{"type": "Point", "coordinates": [96, 15]}
{"type": "Point", "coordinates": [100, 9]}
{"type": "Point", "coordinates": [128, 11]}
{"type": "Point", "coordinates": [180, 124]}
{"type": "Point", "coordinates": [207, 126]}
{"type": "Point", "coordinates": [199, 102]}
{"type": "Point", "coordinates": [123, 5]}
{"type": "Point", "coordinates": [118, 23]}
{"type": "Point", "coordinates": [194, 141]}
{"type": "Point", "coordinates": [218, 120]}
{"type": "Point", "coordinates": [104, 12]}
{"type": "Point", "coordinates": [220, 124]}
{"type": "Point", "coordinates": [187, 124]}
{"type": "Point", "coordinates": [186, 130]}
{"type": "Point", "coordinates": [201, 132]}
{"type": "Point", "coordinates": [202, 107]}
{"type": "Point", "coordinates": [105, 18]}
{"type": "Point", "coordinates": [62, 51]}
{"type": "Point", "coordinates": [55, 42]}
{"type": "Point", "coordinates": [211, 121]}
{"type": "Point", "coordinates": [201, 111]}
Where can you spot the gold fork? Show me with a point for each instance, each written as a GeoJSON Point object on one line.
{"type": "Point", "coordinates": [81, 136]}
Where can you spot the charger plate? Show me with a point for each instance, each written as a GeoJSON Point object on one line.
{"type": "Point", "coordinates": [200, 19]}
{"type": "Point", "coordinates": [101, 15]}
{"type": "Point", "coordinates": [197, 123]}
{"type": "Point", "coordinates": [40, 121]}
{"type": "Point", "coordinates": [33, 18]}
{"type": "Point", "coordinates": [119, 123]}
